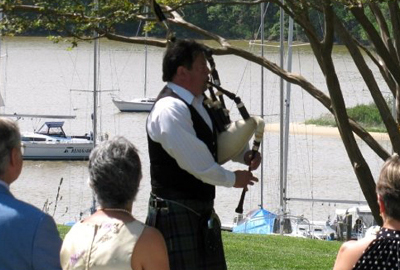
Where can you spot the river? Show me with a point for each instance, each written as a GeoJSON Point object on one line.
{"type": "Point", "coordinates": [37, 77]}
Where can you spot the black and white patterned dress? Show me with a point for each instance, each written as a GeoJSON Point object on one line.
{"type": "Point", "coordinates": [383, 253]}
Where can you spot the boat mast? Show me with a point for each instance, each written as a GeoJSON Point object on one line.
{"type": "Point", "coordinates": [285, 115]}
{"type": "Point", "coordinates": [145, 54]}
{"type": "Point", "coordinates": [282, 192]}
{"type": "Point", "coordinates": [262, 105]}
{"type": "Point", "coordinates": [287, 112]}
{"type": "Point", "coordinates": [2, 104]}
{"type": "Point", "coordinates": [95, 61]}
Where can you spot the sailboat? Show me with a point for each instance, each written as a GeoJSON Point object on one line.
{"type": "Point", "coordinates": [143, 104]}
{"type": "Point", "coordinates": [262, 221]}
{"type": "Point", "coordinates": [50, 142]}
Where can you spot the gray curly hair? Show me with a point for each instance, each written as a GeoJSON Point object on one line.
{"type": "Point", "coordinates": [10, 138]}
{"type": "Point", "coordinates": [115, 172]}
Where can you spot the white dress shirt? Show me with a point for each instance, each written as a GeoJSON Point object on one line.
{"type": "Point", "coordinates": [170, 124]}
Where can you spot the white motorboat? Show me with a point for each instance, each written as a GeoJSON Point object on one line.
{"type": "Point", "coordinates": [134, 105]}
{"type": "Point", "coordinates": [51, 143]}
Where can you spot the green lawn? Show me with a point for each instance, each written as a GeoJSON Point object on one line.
{"type": "Point", "coordinates": [272, 252]}
{"type": "Point", "coordinates": [268, 252]}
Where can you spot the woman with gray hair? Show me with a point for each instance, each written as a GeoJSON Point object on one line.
{"type": "Point", "coordinates": [383, 250]}
{"type": "Point", "coordinates": [112, 238]}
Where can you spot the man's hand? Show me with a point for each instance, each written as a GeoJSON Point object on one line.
{"type": "Point", "coordinates": [244, 178]}
{"type": "Point", "coordinates": [253, 164]}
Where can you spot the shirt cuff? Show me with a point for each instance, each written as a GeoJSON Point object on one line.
{"type": "Point", "coordinates": [231, 179]}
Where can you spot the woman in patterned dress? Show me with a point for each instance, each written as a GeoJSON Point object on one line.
{"type": "Point", "coordinates": [112, 238]}
{"type": "Point", "coordinates": [381, 251]}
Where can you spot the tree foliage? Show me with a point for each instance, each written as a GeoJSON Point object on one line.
{"type": "Point", "coordinates": [353, 22]}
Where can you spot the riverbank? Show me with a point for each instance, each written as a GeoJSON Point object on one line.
{"type": "Point", "coordinates": [301, 128]}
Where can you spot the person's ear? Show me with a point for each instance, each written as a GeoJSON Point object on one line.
{"type": "Point", "coordinates": [14, 156]}
{"type": "Point", "coordinates": [181, 71]}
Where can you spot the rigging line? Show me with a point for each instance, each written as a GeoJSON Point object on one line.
{"type": "Point", "coordinates": [138, 29]}
{"type": "Point", "coordinates": [306, 134]}
{"type": "Point", "coordinates": [348, 78]}
{"type": "Point", "coordinates": [74, 63]}
{"type": "Point", "coordinates": [131, 49]}
{"type": "Point", "coordinates": [113, 68]}
{"type": "Point", "coordinates": [99, 92]}
{"type": "Point", "coordinates": [320, 24]}
{"type": "Point", "coordinates": [248, 62]}
{"type": "Point", "coordinates": [126, 62]}
{"type": "Point", "coordinates": [263, 18]}
{"type": "Point", "coordinates": [309, 169]}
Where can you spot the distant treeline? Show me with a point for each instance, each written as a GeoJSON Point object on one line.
{"type": "Point", "coordinates": [237, 22]}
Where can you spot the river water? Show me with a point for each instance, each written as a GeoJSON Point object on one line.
{"type": "Point", "coordinates": [37, 77]}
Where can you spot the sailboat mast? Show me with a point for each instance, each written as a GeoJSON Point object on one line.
{"type": "Point", "coordinates": [2, 104]}
{"type": "Point", "coordinates": [262, 105]}
{"type": "Point", "coordinates": [145, 56]}
{"type": "Point", "coordinates": [281, 106]}
{"type": "Point", "coordinates": [95, 62]}
{"type": "Point", "coordinates": [287, 112]}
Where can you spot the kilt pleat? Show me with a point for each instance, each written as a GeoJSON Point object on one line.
{"type": "Point", "coordinates": [191, 244]}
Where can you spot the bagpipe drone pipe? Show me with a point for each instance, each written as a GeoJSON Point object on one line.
{"type": "Point", "coordinates": [233, 136]}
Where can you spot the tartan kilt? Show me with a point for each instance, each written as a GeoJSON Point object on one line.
{"type": "Point", "coordinates": [191, 244]}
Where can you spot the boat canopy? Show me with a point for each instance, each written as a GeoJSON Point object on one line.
{"type": "Point", "coordinates": [54, 124]}
{"type": "Point", "coordinates": [258, 221]}
{"type": "Point", "coordinates": [52, 129]}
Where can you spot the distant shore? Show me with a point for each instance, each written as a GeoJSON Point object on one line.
{"type": "Point", "coordinates": [300, 128]}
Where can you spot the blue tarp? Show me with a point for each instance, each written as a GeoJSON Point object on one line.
{"type": "Point", "coordinates": [259, 221]}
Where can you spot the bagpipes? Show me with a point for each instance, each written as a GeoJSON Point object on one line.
{"type": "Point", "coordinates": [233, 137]}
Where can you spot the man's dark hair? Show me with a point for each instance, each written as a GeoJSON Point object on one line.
{"type": "Point", "coordinates": [182, 52]}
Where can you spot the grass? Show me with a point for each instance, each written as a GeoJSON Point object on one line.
{"type": "Point", "coordinates": [272, 252]}
{"type": "Point", "coordinates": [366, 115]}
{"type": "Point", "coordinates": [62, 230]}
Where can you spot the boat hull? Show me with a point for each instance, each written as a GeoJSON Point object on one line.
{"type": "Point", "coordinates": [56, 150]}
{"type": "Point", "coordinates": [136, 105]}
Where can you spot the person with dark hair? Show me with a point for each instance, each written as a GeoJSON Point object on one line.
{"type": "Point", "coordinates": [28, 237]}
{"type": "Point", "coordinates": [182, 141]}
{"type": "Point", "coordinates": [112, 238]}
{"type": "Point", "coordinates": [380, 251]}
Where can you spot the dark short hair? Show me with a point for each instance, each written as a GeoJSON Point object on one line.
{"type": "Point", "coordinates": [182, 52]}
{"type": "Point", "coordinates": [10, 138]}
{"type": "Point", "coordinates": [115, 172]}
{"type": "Point", "coordinates": [388, 186]}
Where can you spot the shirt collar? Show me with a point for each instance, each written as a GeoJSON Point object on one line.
{"type": "Point", "coordinates": [183, 93]}
{"type": "Point", "coordinates": [2, 183]}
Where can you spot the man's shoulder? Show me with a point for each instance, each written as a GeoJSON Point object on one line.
{"type": "Point", "coordinates": [170, 105]}
{"type": "Point", "coordinates": [18, 209]}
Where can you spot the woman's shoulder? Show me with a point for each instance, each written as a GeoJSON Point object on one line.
{"type": "Point", "coordinates": [350, 252]}
{"type": "Point", "coordinates": [150, 251]}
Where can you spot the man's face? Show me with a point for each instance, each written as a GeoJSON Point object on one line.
{"type": "Point", "coordinates": [198, 75]}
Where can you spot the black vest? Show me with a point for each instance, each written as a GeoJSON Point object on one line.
{"type": "Point", "coordinates": [168, 180]}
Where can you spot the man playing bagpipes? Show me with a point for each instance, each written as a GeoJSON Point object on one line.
{"type": "Point", "coordinates": [183, 150]}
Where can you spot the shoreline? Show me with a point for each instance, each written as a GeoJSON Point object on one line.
{"type": "Point", "coordinates": [301, 129]}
